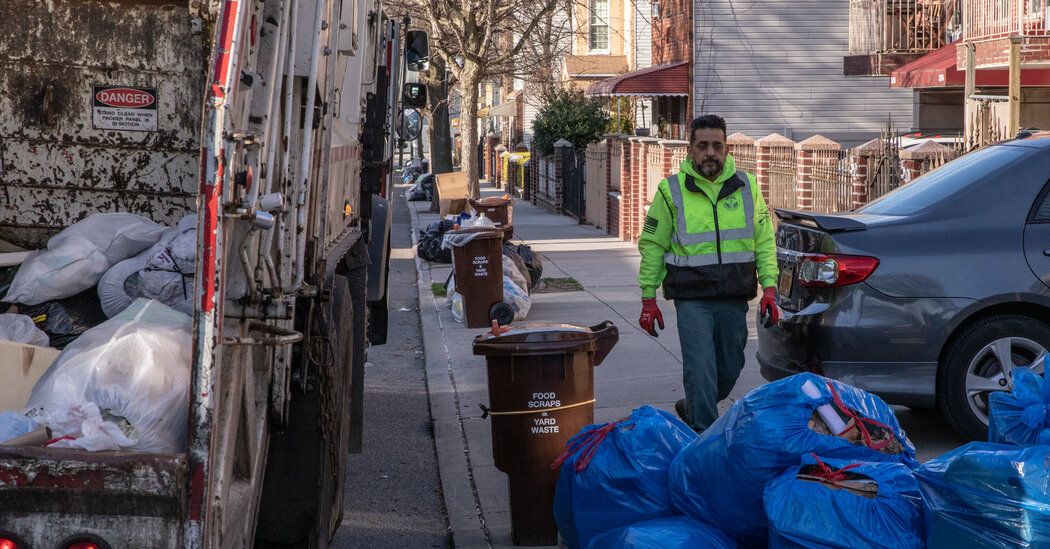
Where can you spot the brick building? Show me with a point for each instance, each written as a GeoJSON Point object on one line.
{"type": "Point", "coordinates": [978, 37]}
{"type": "Point", "coordinates": [660, 84]}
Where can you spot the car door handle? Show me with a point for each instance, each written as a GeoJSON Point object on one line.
{"type": "Point", "coordinates": [1046, 251]}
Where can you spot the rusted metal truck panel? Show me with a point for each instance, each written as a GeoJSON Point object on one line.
{"type": "Point", "coordinates": [56, 494]}
{"type": "Point", "coordinates": [60, 158]}
{"type": "Point", "coordinates": [164, 107]}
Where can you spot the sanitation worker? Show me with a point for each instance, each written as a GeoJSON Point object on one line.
{"type": "Point", "coordinates": [708, 239]}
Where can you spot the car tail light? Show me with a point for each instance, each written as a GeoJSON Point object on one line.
{"type": "Point", "coordinates": [83, 545]}
{"type": "Point", "coordinates": [8, 543]}
{"type": "Point", "coordinates": [835, 270]}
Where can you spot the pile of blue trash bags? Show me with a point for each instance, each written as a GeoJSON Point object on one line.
{"type": "Point", "coordinates": [807, 462]}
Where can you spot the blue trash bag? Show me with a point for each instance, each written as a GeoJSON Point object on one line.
{"type": "Point", "coordinates": [625, 479]}
{"type": "Point", "coordinates": [13, 424]}
{"type": "Point", "coordinates": [679, 532]}
{"type": "Point", "coordinates": [809, 508]}
{"type": "Point", "coordinates": [987, 496]}
{"type": "Point", "coordinates": [720, 477]}
{"type": "Point", "coordinates": [1022, 416]}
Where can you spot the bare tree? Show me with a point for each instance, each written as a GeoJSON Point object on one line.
{"type": "Point", "coordinates": [484, 39]}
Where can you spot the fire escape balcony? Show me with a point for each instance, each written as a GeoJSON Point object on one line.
{"type": "Point", "coordinates": [887, 34]}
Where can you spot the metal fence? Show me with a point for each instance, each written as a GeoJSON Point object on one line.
{"type": "Point", "coordinates": [884, 172]}
{"type": "Point", "coordinates": [832, 183]}
{"type": "Point", "coordinates": [782, 178]}
{"type": "Point", "coordinates": [744, 156]}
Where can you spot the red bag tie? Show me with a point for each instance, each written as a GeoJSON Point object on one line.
{"type": "Point", "coordinates": [825, 472]}
{"type": "Point", "coordinates": [859, 422]}
{"type": "Point", "coordinates": [587, 444]}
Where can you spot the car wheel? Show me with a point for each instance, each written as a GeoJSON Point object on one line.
{"type": "Point", "coordinates": [981, 362]}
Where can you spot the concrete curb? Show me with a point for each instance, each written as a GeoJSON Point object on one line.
{"type": "Point", "coordinates": [457, 481]}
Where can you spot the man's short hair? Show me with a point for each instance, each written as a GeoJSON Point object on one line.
{"type": "Point", "coordinates": [708, 121]}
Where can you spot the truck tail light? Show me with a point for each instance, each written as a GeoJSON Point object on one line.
{"type": "Point", "coordinates": [835, 270]}
{"type": "Point", "coordinates": [85, 541]}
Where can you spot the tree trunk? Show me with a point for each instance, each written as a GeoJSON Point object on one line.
{"type": "Point", "coordinates": [468, 124]}
{"type": "Point", "coordinates": [440, 130]}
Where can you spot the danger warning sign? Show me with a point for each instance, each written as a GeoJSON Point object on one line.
{"type": "Point", "coordinates": [124, 108]}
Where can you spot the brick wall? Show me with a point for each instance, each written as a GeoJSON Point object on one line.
{"type": "Point", "coordinates": [996, 53]}
{"type": "Point", "coordinates": [672, 31]}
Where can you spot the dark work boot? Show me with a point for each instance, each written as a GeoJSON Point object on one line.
{"type": "Point", "coordinates": [681, 409]}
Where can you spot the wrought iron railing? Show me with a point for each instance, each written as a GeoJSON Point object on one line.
{"type": "Point", "coordinates": [988, 19]}
{"type": "Point", "coordinates": [903, 25]}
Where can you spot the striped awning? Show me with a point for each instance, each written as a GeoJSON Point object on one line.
{"type": "Point", "coordinates": [670, 80]}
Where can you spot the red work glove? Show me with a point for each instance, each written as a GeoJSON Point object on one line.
{"type": "Point", "coordinates": [769, 308]}
{"type": "Point", "coordinates": [650, 316]}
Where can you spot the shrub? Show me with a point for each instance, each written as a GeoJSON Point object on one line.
{"type": "Point", "coordinates": [569, 115]}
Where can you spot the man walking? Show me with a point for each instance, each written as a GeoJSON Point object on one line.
{"type": "Point", "coordinates": [709, 240]}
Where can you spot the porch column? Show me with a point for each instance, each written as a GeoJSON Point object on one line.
{"type": "Point", "coordinates": [862, 167]}
{"type": "Point", "coordinates": [969, 105]}
{"type": "Point", "coordinates": [1014, 122]}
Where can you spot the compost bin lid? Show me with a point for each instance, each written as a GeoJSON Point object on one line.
{"type": "Point", "coordinates": [491, 201]}
{"type": "Point", "coordinates": [532, 338]}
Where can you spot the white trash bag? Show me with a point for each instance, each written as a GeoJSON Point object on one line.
{"type": "Point", "coordinates": [77, 257]}
{"type": "Point", "coordinates": [168, 274]}
{"type": "Point", "coordinates": [123, 384]}
{"type": "Point", "coordinates": [517, 298]}
{"type": "Point", "coordinates": [111, 292]}
{"type": "Point", "coordinates": [514, 273]}
{"type": "Point", "coordinates": [20, 329]}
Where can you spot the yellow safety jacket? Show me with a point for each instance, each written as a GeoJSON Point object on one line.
{"type": "Point", "coordinates": [707, 239]}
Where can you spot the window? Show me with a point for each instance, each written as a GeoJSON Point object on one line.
{"type": "Point", "coordinates": [945, 182]}
{"type": "Point", "coordinates": [599, 25]}
{"type": "Point", "coordinates": [1042, 210]}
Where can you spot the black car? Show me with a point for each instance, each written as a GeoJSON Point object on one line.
{"type": "Point", "coordinates": [929, 296]}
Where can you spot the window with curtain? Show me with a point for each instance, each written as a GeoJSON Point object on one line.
{"type": "Point", "coordinates": [599, 25]}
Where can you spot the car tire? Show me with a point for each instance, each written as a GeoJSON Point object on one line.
{"type": "Point", "coordinates": [974, 352]}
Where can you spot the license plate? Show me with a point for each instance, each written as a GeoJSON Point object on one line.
{"type": "Point", "coordinates": [787, 281]}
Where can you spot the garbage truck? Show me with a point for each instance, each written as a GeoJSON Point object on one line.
{"type": "Point", "coordinates": [273, 121]}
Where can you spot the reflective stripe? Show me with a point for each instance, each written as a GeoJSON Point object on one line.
{"type": "Point", "coordinates": [704, 260]}
{"type": "Point", "coordinates": [685, 238]}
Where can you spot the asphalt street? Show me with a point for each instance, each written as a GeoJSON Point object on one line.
{"type": "Point", "coordinates": [393, 495]}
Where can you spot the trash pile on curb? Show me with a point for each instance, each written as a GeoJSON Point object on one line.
{"type": "Point", "coordinates": [114, 293]}
{"type": "Point", "coordinates": [522, 268]}
{"type": "Point", "coordinates": [807, 462]}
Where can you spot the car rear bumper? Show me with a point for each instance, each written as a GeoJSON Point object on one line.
{"type": "Point", "coordinates": [885, 345]}
{"type": "Point", "coordinates": [907, 384]}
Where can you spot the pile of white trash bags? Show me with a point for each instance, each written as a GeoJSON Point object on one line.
{"type": "Point", "coordinates": [122, 385]}
{"type": "Point", "coordinates": [124, 255]}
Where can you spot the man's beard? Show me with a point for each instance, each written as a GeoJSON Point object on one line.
{"type": "Point", "coordinates": [710, 168]}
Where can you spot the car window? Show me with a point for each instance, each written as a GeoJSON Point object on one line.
{"type": "Point", "coordinates": [1042, 210]}
{"type": "Point", "coordinates": [946, 181]}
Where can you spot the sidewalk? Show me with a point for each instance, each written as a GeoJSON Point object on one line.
{"type": "Point", "coordinates": [640, 369]}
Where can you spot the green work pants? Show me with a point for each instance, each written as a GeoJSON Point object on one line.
{"type": "Point", "coordinates": [713, 333]}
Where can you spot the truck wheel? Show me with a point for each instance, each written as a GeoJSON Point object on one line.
{"type": "Point", "coordinates": [306, 465]}
{"type": "Point", "coordinates": [981, 362]}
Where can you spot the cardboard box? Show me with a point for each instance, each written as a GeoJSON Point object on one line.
{"type": "Point", "coordinates": [452, 192]}
{"type": "Point", "coordinates": [21, 366]}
